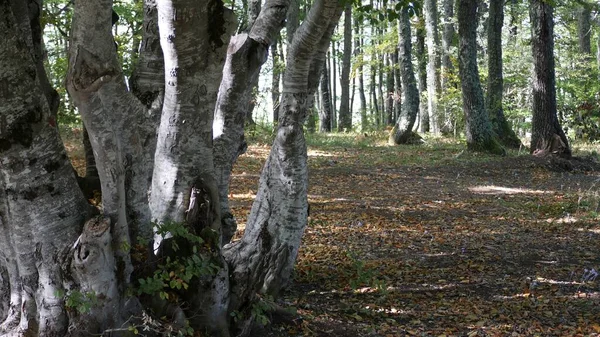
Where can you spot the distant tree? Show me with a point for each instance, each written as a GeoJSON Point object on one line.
{"type": "Point", "coordinates": [495, 85]}
{"type": "Point", "coordinates": [547, 136]}
{"type": "Point", "coordinates": [433, 64]}
{"type": "Point", "coordinates": [345, 114]}
{"type": "Point", "coordinates": [403, 130]}
{"type": "Point", "coordinates": [478, 129]}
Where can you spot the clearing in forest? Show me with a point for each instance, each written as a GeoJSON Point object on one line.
{"type": "Point", "coordinates": [431, 240]}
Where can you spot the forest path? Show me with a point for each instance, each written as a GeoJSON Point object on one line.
{"type": "Point", "coordinates": [435, 241]}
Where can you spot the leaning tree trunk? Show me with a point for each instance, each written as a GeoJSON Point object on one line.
{"type": "Point", "coordinates": [245, 56]}
{"type": "Point", "coordinates": [263, 259]}
{"type": "Point", "coordinates": [40, 218]}
{"type": "Point", "coordinates": [402, 132]}
{"type": "Point", "coordinates": [478, 129]}
{"type": "Point", "coordinates": [547, 136]}
{"type": "Point", "coordinates": [345, 114]}
{"type": "Point", "coordinates": [433, 64]}
{"type": "Point", "coordinates": [495, 83]}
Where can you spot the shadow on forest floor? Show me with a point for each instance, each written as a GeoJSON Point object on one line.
{"type": "Point", "coordinates": [426, 241]}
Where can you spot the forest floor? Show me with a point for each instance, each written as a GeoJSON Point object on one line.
{"type": "Point", "coordinates": [432, 240]}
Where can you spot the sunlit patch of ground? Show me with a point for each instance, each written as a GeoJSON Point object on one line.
{"type": "Point", "coordinates": [426, 241]}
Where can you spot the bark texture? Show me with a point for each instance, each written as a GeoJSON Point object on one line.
{"type": "Point", "coordinates": [403, 133]}
{"type": "Point", "coordinates": [547, 136]}
{"type": "Point", "coordinates": [263, 259]}
{"type": "Point", "coordinates": [584, 29]}
{"type": "Point", "coordinates": [325, 113]}
{"type": "Point", "coordinates": [478, 129]}
{"type": "Point", "coordinates": [433, 64]}
{"type": "Point", "coordinates": [495, 85]}
{"type": "Point", "coordinates": [245, 56]}
{"type": "Point", "coordinates": [345, 114]}
{"type": "Point", "coordinates": [39, 218]}
{"type": "Point", "coordinates": [422, 77]}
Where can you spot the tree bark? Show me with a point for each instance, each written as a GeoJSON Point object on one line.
{"type": "Point", "coordinates": [40, 218]}
{"type": "Point", "coordinates": [325, 117]}
{"type": "Point", "coordinates": [500, 125]}
{"type": "Point", "coordinates": [402, 133]}
{"type": "Point", "coordinates": [547, 136]}
{"type": "Point", "coordinates": [447, 68]}
{"type": "Point", "coordinates": [263, 259]}
{"type": "Point", "coordinates": [422, 77]}
{"type": "Point", "coordinates": [389, 91]}
{"type": "Point", "coordinates": [478, 129]}
{"type": "Point", "coordinates": [584, 29]}
{"type": "Point", "coordinates": [277, 69]}
{"type": "Point", "coordinates": [361, 81]}
{"type": "Point", "coordinates": [345, 114]}
{"type": "Point", "coordinates": [433, 64]}
{"type": "Point", "coordinates": [245, 56]}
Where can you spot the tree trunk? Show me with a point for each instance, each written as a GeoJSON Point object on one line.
{"type": "Point", "coordinates": [447, 70]}
{"type": "Point", "coordinates": [433, 64]}
{"type": "Point", "coordinates": [345, 114]}
{"type": "Point", "coordinates": [397, 90]}
{"type": "Point", "coordinates": [547, 136]}
{"type": "Point", "coordinates": [500, 125]}
{"type": "Point", "coordinates": [402, 133]}
{"type": "Point", "coordinates": [478, 129]}
{"type": "Point", "coordinates": [584, 30]}
{"type": "Point", "coordinates": [245, 56]}
{"type": "Point", "coordinates": [325, 117]}
{"type": "Point", "coordinates": [41, 207]}
{"type": "Point", "coordinates": [278, 65]}
{"type": "Point", "coordinates": [333, 91]}
{"type": "Point", "coordinates": [389, 90]}
{"type": "Point", "coordinates": [263, 259]}
{"type": "Point", "coordinates": [422, 77]}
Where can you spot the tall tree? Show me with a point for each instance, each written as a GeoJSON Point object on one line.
{"type": "Point", "coordinates": [547, 136]}
{"type": "Point", "coordinates": [345, 114]}
{"type": "Point", "coordinates": [495, 84]}
{"type": "Point", "coordinates": [478, 129]}
{"type": "Point", "coordinates": [389, 90]}
{"type": "Point", "coordinates": [402, 132]}
{"type": "Point", "coordinates": [584, 29]}
{"type": "Point", "coordinates": [422, 76]}
{"type": "Point", "coordinates": [433, 63]}
{"type": "Point", "coordinates": [325, 112]}
{"type": "Point", "coordinates": [447, 68]}
{"type": "Point", "coordinates": [359, 73]}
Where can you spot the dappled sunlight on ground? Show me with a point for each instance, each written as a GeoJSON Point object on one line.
{"type": "Point", "coordinates": [418, 241]}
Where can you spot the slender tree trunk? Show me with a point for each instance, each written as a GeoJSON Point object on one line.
{"type": "Point", "coordinates": [373, 93]}
{"type": "Point", "coordinates": [447, 69]}
{"type": "Point", "coordinates": [325, 117]}
{"type": "Point", "coordinates": [345, 114]}
{"type": "Point", "coordinates": [276, 78]}
{"type": "Point", "coordinates": [495, 83]}
{"type": "Point", "coordinates": [584, 30]}
{"type": "Point", "coordinates": [402, 132]}
{"type": "Point", "coordinates": [361, 80]}
{"type": "Point", "coordinates": [333, 91]}
{"type": "Point", "coordinates": [422, 77]}
{"type": "Point", "coordinates": [245, 56]}
{"type": "Point", "coordinates": [397, 94]}
{"type": "Point", "coordinates": [389, 88]}
{"type": "Point", "coordinates": [547, 136]}
{"type": "Point", "coordinates": [265, 256]}
{"type": "Point", "coordinates": [478, 129]}
{"type": "Point", "coordinates": [433, 64]}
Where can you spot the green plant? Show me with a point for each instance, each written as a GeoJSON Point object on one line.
{"type": "Point", "coordinates": [185, 265]}
{"type": "Point", "coordinates": [81, 302]}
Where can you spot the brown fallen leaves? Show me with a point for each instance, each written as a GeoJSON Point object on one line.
{"type": "Point", "coordinates": [416, 241]}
